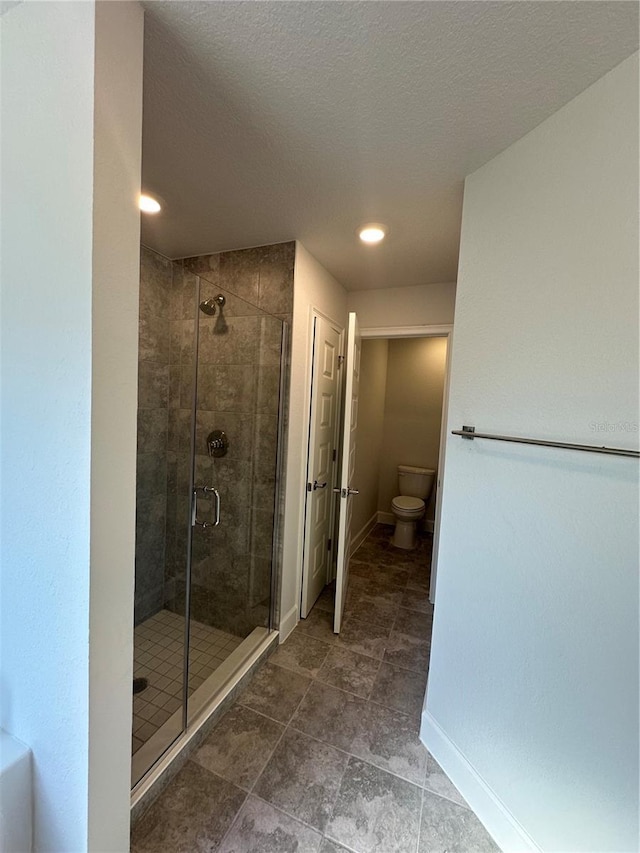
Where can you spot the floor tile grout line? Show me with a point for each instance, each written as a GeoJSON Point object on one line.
{"type": "Point", "coordinates": [358, 757]}
{"type": "Point", "coordinates": [420, 821]}
{"type": "Point", "coordinates": [382, 769]}
{"type": "Point", "coordinates": [322, 742]}
{"type": "Point", "coordinates": [301, 671]}
{"type": "Point", "coordinates": [315, 829]}
{"type": "Point", "coordinates": [386, 770]}
{"type": "Point", "coordinates": [357, 696]}
{"type": "Point", "coordinates": [266, 763]}
{"type": "Point", "coordinates": [286, 728]}
{"type": "Point", "coordinates": [337, 796]}
{"type": "Point", "coordinates": [235, 817]}
{"type": "Point", "coordinates": [366, 698]}
{"type": "Point", "coordinates": [341, 843]}
{"type": "Point", "coordinates": [255, 711]}
{"type": "Point", "coordinates": [381, 660]}
{"type": "Point", "coordinates": [339, 645]}
{"type": "Point", "coordinates": [444, 796]}
{"type": "Point", "coordinates": [282, 734]}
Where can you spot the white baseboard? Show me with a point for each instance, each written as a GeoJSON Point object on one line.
{"type": "Point", "coordinates": [361, 535]}
{"type": "Point", "coordinates": [508, 834]}
{"type": "Point", "coordinates": [389, 518]}
{"type": "Point", "coordinates": [288, 623]}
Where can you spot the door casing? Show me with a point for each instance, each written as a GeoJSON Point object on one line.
{"type": "Point", "coordinates": [315, 314]}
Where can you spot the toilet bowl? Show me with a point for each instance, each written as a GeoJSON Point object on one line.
{"type": "Point", "coordinates": [409, 507]}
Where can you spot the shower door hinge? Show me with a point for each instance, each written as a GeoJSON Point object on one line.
{"type": "Point", "coordinates": [329, 545]}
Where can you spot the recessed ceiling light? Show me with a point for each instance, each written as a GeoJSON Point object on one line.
{"type": "Point", "coordinates": [372, 233]}
{"type": "Point", "coordinates": [148, 204]}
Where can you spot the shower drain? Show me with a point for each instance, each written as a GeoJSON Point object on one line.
{"type": "Point", "coordinates": [139, 684]}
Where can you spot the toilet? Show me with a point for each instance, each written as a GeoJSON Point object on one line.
{"type": "Point", "coordinates": [415, 485]}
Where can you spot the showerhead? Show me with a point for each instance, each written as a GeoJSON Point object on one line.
{"type": "Point", "coordinates": [209, 305]}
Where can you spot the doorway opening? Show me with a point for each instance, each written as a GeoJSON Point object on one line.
{"type": "Point", "coordinates": [397, 426]}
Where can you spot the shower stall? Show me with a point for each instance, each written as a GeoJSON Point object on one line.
{"type": "Point", "coordinates": [212, 386]}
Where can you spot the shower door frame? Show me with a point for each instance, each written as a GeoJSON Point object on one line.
{"type": "Point", "coordinates": [203, 700]}
{"type": "Point", "coordinates": [199, 707]}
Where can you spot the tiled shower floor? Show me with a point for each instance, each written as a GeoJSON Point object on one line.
{"type": "Point", "coordinates": [159, 657]}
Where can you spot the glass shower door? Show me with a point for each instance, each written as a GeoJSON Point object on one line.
{"type": "Point", "coordinates": [235, 444]}
{"type": "Point", "coordinates": [209, 426]}
{"type": "Point", "coordinates": [166, 378]}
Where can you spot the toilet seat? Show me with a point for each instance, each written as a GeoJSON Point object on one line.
{"type": "Point", "coordinates": [405, 503]}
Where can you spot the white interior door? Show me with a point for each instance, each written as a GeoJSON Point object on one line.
{"type": "Point", "coordinates": [321, 467]}
{"type": "Point", "coordinates": [347, 466]}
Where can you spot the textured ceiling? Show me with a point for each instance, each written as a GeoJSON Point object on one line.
{"type": "Point", "coordinates": [269, 121]}
{"type": "Point", "coordinates": [6, 5]}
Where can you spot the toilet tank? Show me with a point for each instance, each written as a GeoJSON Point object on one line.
{"type": "Point", "coordinates": [415, 482]}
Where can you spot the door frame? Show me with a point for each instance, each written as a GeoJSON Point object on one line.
{"type": "Point", "coordinates": [435, 331]}
{"type": "Point", "coordinates": [315, 313]}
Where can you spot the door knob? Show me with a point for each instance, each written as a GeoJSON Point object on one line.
{"type": "Point", "coordinates": [344, 493]}
{"type": "Point", "coordinates": [317, 485]}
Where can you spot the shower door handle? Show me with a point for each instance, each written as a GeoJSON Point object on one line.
{"type": "Point", "coordinates": [206, 490]}
{"type": "Point", "coordinates": [210, 490]}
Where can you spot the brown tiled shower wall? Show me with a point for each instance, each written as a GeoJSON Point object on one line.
{"type": "Point", "coordinates": [156, 277]}
{"type": "Point", "coordinates": [238, 381]}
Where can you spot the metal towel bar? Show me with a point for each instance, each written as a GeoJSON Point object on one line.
{"type": "Point", "coordinates": [469, 432]}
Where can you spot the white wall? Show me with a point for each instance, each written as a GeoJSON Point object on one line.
{"type": "Point", "coordinates": [313, 287]}
{"type": "Point", "coordinates": [116, 259]}
{"type": "Point", "coordinates": [532, 704]}
{"type": "Point", "coordinates": [423, 305]}
{"type": "Point", "coordinates": [66, 609]}
{"type": "Point", "coordinates": [412, 412]}
{"type": "Point", "coordinates": [372, 390]}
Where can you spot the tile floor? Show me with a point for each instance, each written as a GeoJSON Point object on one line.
{"type": "Point", "coordinates": [320, 753]}
{"type": "Point", "coordinates": [159, 657]}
